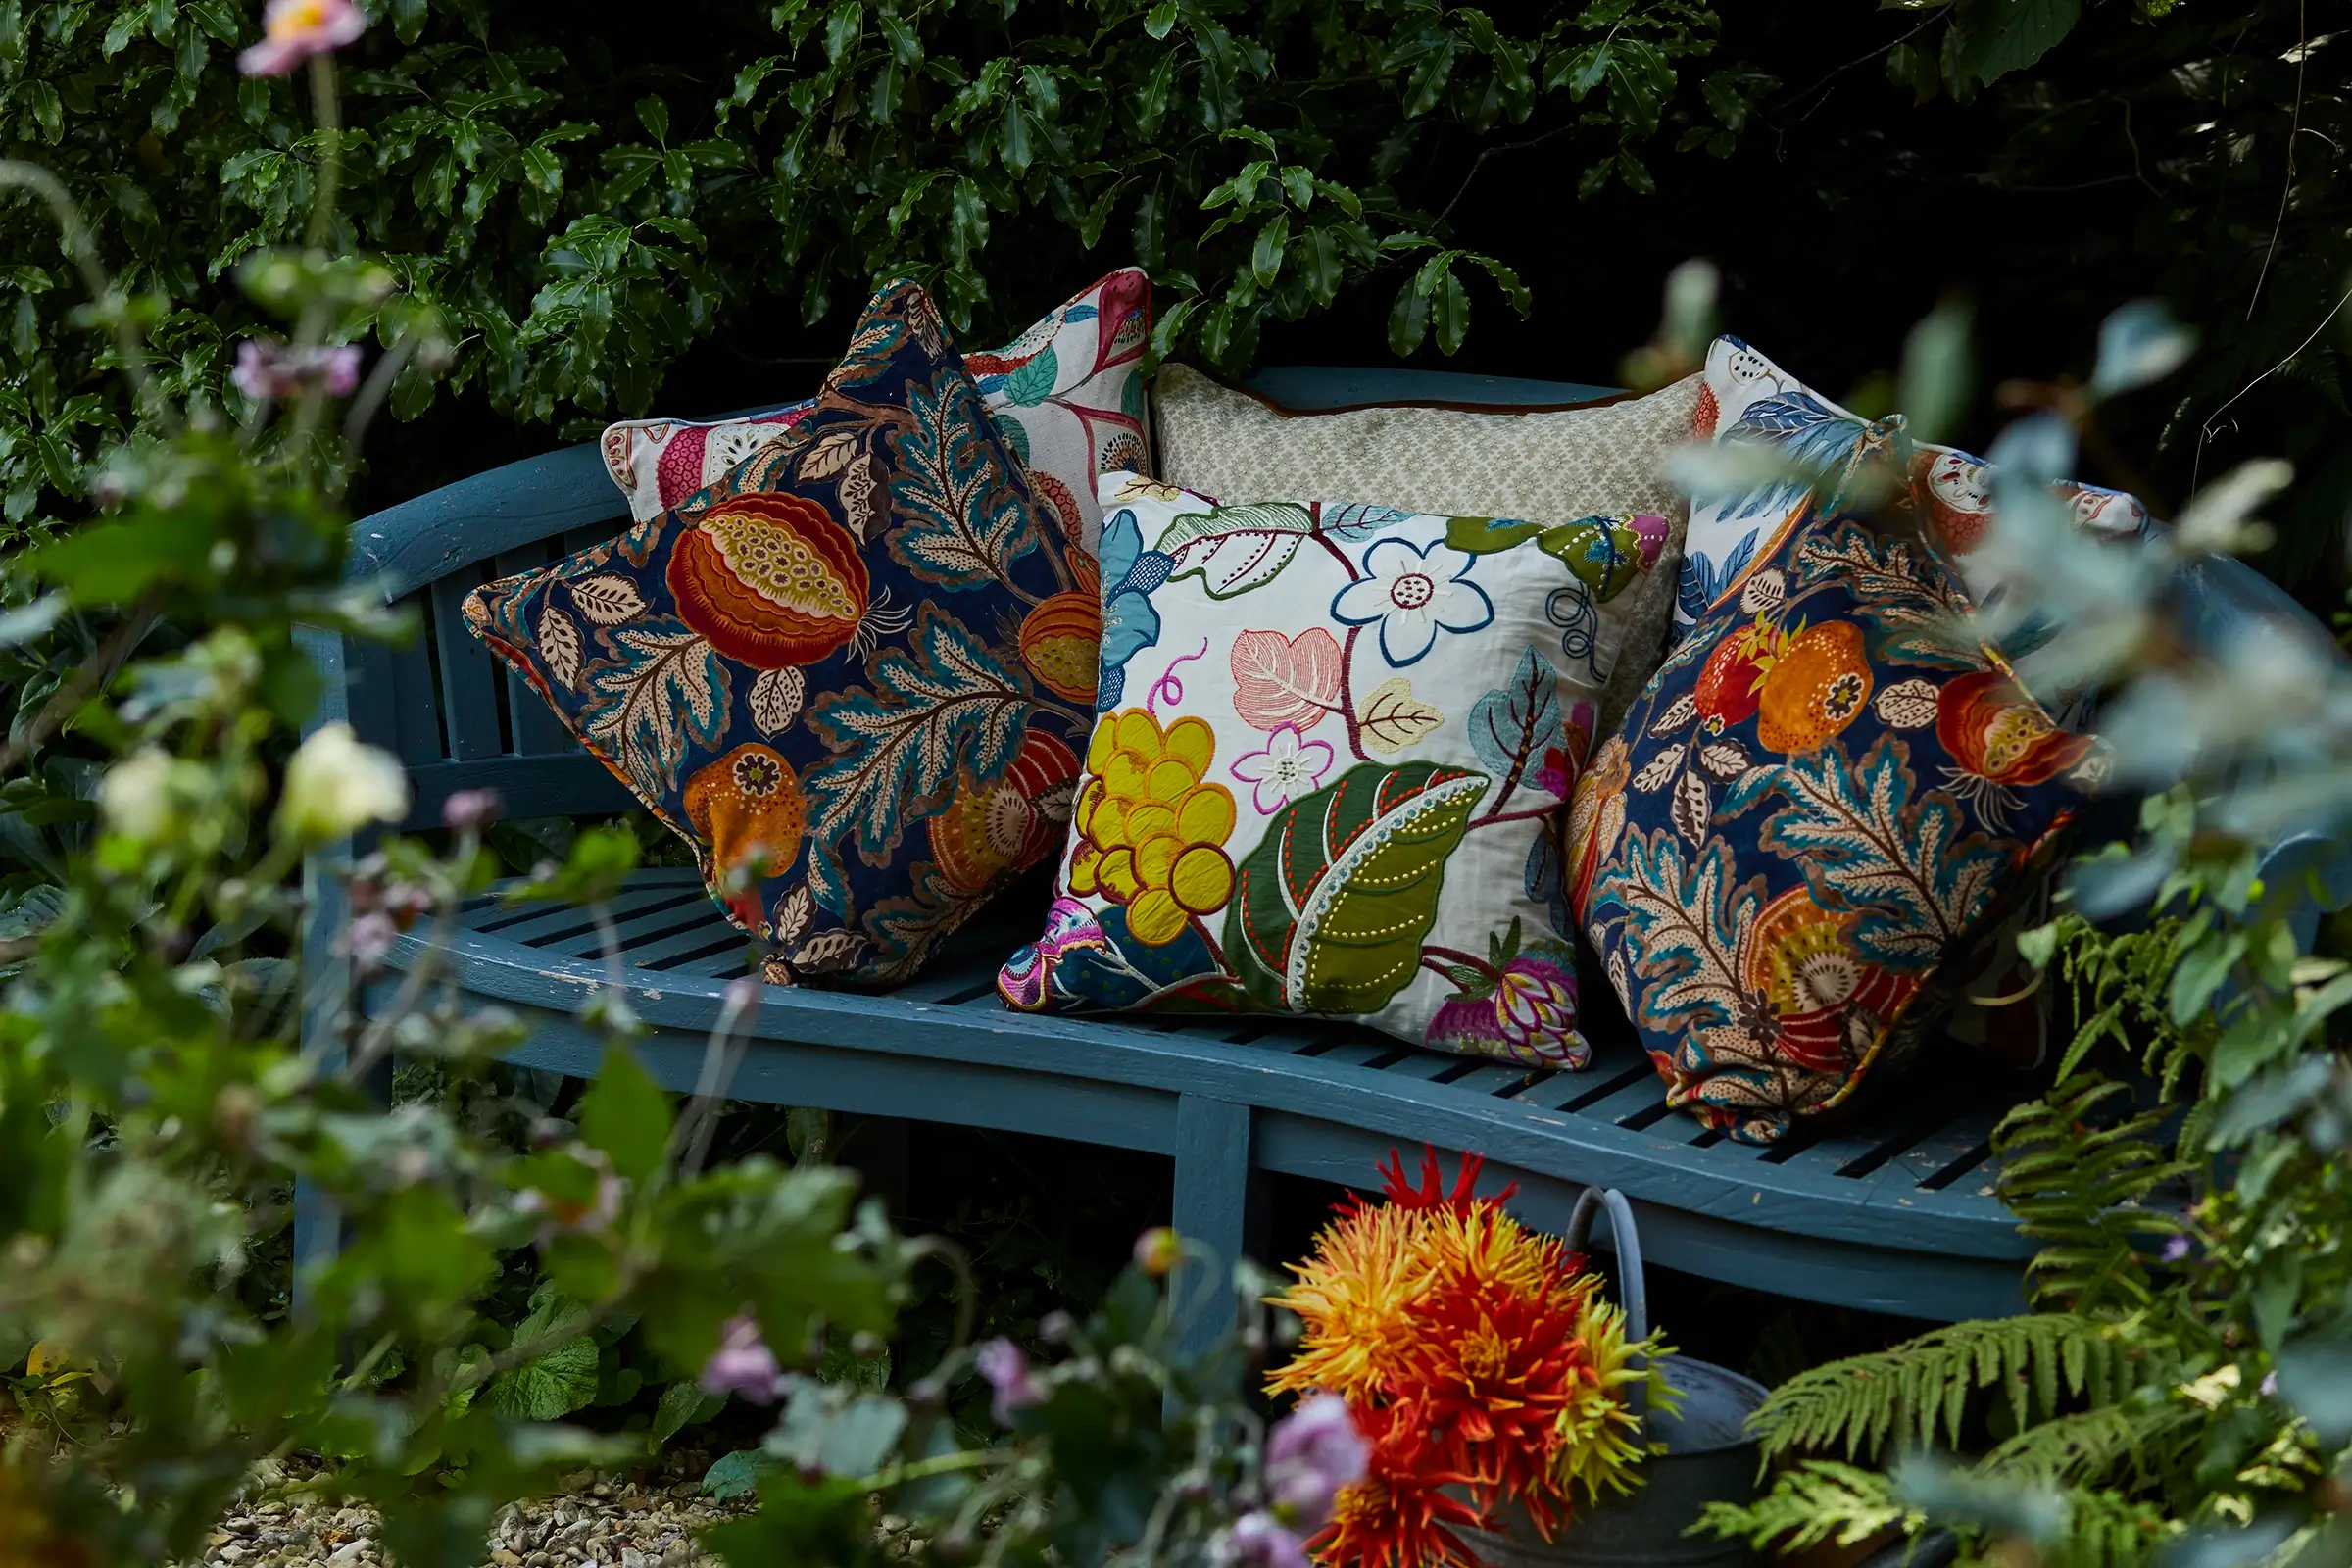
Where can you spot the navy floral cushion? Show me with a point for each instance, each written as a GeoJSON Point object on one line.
{"type": "Point", "coordinates": [1826, 794]}
{"type": "Point", "coordinates": [854, 673]}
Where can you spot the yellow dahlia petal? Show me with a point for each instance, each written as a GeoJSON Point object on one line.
{"type": "Point", "coordinates": [1101, 744]}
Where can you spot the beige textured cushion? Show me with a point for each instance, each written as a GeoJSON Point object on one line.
{"type": "Point", "coordinates": [1539, 464]}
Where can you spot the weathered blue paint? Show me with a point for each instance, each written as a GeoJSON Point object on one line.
{"type": "Point", "coordinates": [1893, 1212]}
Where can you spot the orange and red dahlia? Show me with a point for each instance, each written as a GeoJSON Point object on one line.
{"type": "Point", "coordinates": [1476, 1357]}
{"type": "Point", "coordinates": [1404, 1512]}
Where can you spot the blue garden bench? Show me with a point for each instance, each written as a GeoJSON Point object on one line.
{"type": "Point", "coordinates": [1894, 1213]}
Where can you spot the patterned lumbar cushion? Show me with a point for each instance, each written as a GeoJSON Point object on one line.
{"type": "Point", "coordinates": [1747, 398]}
{"type": "Point", "coordinates": [1066, 394]}
{"type": "Point", "coordinates": [1826, 794]}
{"type": "Point", "coordinates": [1553, 463]}
{"type": "Point", "coordinates": [863, 660]}
{"type": "Point", "coordinates": [1331, 745]}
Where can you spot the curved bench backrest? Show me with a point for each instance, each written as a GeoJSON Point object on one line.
{"type": "Point", "coordinates": [460, 721]}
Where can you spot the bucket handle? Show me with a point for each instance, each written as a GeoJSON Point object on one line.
{"type": "Point", "coordinates": [1632, 1294]}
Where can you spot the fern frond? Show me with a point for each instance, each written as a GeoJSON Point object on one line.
{"type": "Point", "coordinates": [2076, 1186]}
{"type": "Point", "coordinates": [2106, 1529]}
{"type": "Point", "coordinates": [1817, 1500]}
{"type": "Point", "coordinates": [2121, 986]}
{"type": "Point", "coordinates": [1917, 1393]}
{"type": "Point", "coordinates": [2090, 1446]}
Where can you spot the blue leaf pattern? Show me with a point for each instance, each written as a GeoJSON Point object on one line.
{"type": "Point", "coordinates": [1819, 799]}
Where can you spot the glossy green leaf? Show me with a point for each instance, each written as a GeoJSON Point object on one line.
{"type": "Point", "coordinates": [1449, 312]}
{"type": "Point", "coordinates": [1265, 256]}
{"type": "Point", "coordinates": [1991, 38]}
{"type": "Point", "coordinates": [1409, 321]}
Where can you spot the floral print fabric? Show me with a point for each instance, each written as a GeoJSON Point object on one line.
{"type": "Point", "coordinates": [1824, 797]}
{"type": "Point", "coordinates": [1331, 745]}
{"type": "Point", "coordinates": [1552, 463]}
{"type": "Point", "coordinates": [1748, 399]}
{"type": "Point", "coordinates": [1067, 396]}
{"type": "Point", "coordinates": [858, 670]}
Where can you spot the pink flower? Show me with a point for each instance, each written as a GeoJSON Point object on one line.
{"type": "Point", "coordinates": [269, 370]}
{"type": "Point", "coordinates": [1006, 1369]}
{"type": "Point", "coordinates": [367, 940]}
{"type": "Point", "coordinates": [1259, 1541]}
{"type": "Point", "coordinates": [1311, 1455]}
{"type": "Point", "coordinates": [293, 31]}
{"type": "Point", "coordinates": [1285, 769]}
{"type": "Point", "coordinates": [743, 1365]}
{"type": "Point", "coordinates": [464, 808]}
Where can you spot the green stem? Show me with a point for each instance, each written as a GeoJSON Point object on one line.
{"type": "Point", "coordinates": [327, 109]}
{"type": "Point", "coordinates": [937, 1465]}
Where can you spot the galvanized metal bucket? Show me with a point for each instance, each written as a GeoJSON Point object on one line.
{"type": "Point", "coordinates": [1710, 1456]}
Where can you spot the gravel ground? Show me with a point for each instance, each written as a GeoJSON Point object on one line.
{"type": "Point", "coordinates": [643, 1521]}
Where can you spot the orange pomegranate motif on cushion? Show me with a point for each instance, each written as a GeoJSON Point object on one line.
{"type": "Point", "coordinates": [1831, 1005]}
{"type": "Point", "coordinates": [1814, 689]}
{"type": "Point", "coordinates": [1997, 733]}
{"type": "Point", "coordinates": [771, 580]}
{"type": "Point", "coordinates": [1062, 643]}
{"type": "Point", "coordinates": [747, 799]}
{"type": "Point", "coordinates": [1731, 683]}
{"type": "Point", "coordinates": [1015, 823]}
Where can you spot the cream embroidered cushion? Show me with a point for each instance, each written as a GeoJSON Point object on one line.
{"type": "Point", "coordinates": [1545, 464]}
{"type": "Point", "coordinates": [1330, 746]}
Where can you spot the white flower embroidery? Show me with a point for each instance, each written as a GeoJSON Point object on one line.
{"type": "Point", "coordinates": [1285, 769]}
{"type": "Point", "coordinates": [1413, 593]}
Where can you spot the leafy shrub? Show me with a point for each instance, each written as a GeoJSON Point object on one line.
{"type": "Point", "coordinates": [580, 210]}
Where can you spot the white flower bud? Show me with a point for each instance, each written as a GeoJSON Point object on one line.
{"type": "Point", "coordinates": [136, 798]}
{"type": "Point", "coordinates": [336, 786]}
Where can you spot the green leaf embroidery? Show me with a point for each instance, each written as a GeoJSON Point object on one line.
{"type": "Point", "coordinates": [1605, 556]}
{"type": "Point", "coordinates": [1330, 908]}
{"type": "Point", "coordinates": [1235, 548]}
{"type": "Point", "coordinates": [1486, 536]}
{"type": "Point", "coordinates": [1034, 381]}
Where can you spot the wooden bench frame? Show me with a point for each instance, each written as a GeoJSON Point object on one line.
{"type": "Point", "coordinates": [1894, 1214]}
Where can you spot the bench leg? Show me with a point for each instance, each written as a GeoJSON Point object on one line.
{"type": "Point", "coordinates": [1221, 1208]}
